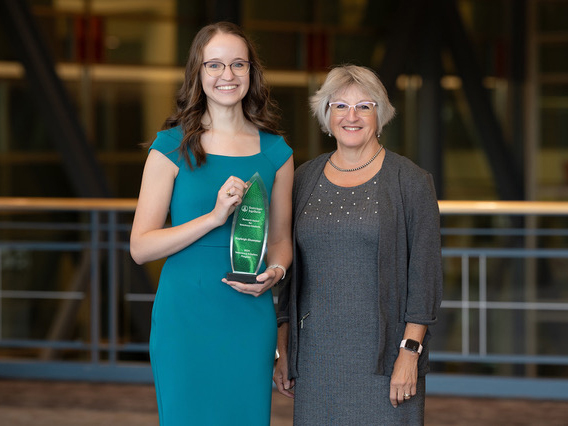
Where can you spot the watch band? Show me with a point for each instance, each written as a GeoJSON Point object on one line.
{"type": "Point", "coordinates": [411, 345]}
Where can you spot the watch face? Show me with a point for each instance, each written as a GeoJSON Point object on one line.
{"type": "Point", "coordinates": [413, 345]}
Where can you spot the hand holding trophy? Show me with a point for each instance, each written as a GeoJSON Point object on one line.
{"type": "Point", "coordinates": [249, 233]}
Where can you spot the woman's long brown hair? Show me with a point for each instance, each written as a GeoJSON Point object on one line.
{"type": "Point", "coordinates": [191, 100]}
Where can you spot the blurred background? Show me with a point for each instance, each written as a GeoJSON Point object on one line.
{"type": "Point", "coordinates": [481, 93]}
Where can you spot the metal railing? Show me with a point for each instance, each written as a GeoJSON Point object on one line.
{"type": "Point", "coordinates": [529, 251]}
{"type": "Point", "coordinates": [96, 232]}
{"type": "Point", "coordinates": [515, 234]}
{"type": "Point", "coordinates": [100, 240]}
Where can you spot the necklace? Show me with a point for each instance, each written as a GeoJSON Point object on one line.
{"type": "Point", "coordinates": [356, 168]}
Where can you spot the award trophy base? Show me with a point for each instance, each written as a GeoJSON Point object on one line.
{"type": "Point", "coordinates": [242, 278]}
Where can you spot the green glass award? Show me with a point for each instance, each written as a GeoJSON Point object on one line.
{"type": "Point", "coordinates": [249, 233]}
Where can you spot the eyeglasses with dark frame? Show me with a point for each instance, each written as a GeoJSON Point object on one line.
{"type": "Point", "coordinates": [217, 68]}
{"type": "Point", "coordinates": [362, 109]}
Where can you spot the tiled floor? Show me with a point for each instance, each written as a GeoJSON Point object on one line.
{"type": "Point", "coordinates": [88, 404]}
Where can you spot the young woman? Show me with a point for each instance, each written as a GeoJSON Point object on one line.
{"type": "Point", "coordinates": [212, 342]}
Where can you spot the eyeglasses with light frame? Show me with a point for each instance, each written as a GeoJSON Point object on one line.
{"type": "Point", "coordinates": [217, 68]}
{"type": "Point", "coordinates": [362, 109]}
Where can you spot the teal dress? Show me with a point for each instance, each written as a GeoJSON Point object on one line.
{"type": "Point", "coordinates": [212, 348]}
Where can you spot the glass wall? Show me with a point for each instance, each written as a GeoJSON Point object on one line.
{"type": "Point", "coordinates": [121, 62]}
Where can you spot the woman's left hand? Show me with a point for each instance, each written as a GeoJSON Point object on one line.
{"type": "Point", "coordinates": [265, 282]}
{"type": "Point", "coordinates": [404, 377]}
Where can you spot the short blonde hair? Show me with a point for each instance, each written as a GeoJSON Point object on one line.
{"type": "Point", "coordinates": [340, 78]}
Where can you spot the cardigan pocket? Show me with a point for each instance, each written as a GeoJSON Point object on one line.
{"type": "Point", "coordinates": [304, 317]}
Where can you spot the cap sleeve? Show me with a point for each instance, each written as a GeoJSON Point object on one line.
{"type": "Point", "coordinates": [275, 148]}
{"type": "Point", "coordinates": [167, 142]}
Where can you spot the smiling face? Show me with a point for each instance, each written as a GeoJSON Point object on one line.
{"type": "Point", "coordinates": [227, 89]}
{"type": "Point", "coordinates": [353, 130]}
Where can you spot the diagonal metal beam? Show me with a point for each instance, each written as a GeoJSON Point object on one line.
{"type": "Point", "coordinates": [507, 173]}
{"type": "Point", "coordinates": [66, 131]}
{"type": "Point", "coordinates": [82, 169]}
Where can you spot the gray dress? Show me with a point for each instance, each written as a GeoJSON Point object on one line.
{"type": "Point", "coordinates": [336, 385]}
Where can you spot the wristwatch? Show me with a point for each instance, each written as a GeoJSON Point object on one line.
{"type": "Point", "coordinates": [411, 345]}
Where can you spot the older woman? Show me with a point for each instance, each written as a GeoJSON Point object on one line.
{"type": "Point", "coordinates": [366, 280]}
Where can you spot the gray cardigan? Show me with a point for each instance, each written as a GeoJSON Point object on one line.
{"type": "Point", "coordinates": [409, 257]}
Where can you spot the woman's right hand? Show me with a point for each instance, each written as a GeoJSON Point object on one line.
{"type": "Point", "coordinates": [149, 239]}
{"type": "Point", "coordinates": [230, 195]}
{"type": "Point", "coordinates": [283, 383]}
{"type": "Point", "coordinates": [280, 377]}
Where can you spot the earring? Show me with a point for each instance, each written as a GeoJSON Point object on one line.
{"type": "Point", "coordinates": [329, 134]}
{"type": "Point", "coordinates": [378, 135]}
